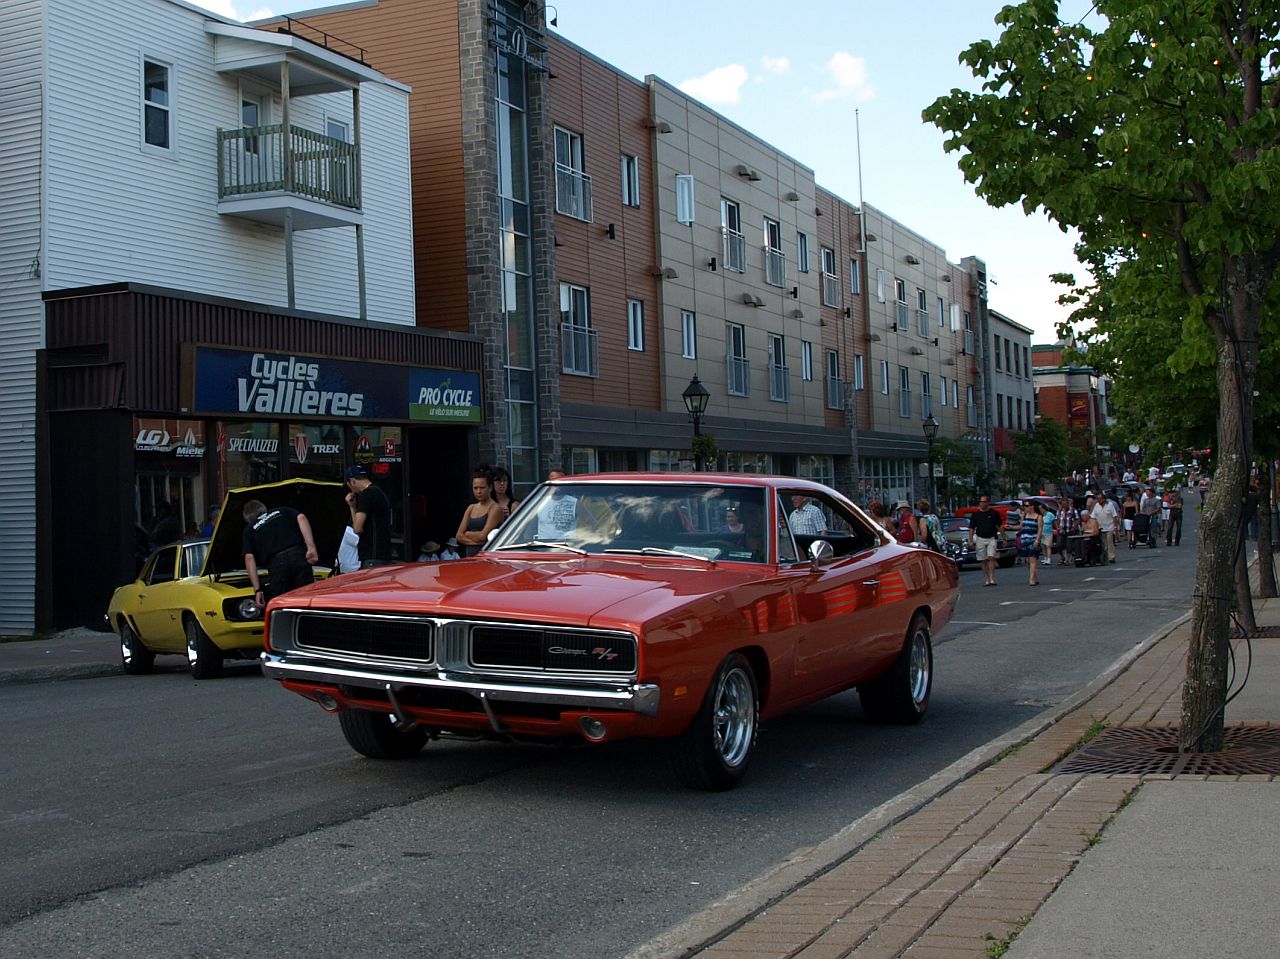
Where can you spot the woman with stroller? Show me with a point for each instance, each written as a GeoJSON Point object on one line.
{"type": "Point", "coordinates": [1029, 540]}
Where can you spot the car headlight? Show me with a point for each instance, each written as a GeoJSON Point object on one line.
{"type": "Point", "coordinates": [248, 608]}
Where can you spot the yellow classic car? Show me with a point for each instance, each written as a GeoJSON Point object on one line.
{"type": "Point", "coordinates": [193, 597]}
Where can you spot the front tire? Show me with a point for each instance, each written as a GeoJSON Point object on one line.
{"type": "Point", "coordinates": [375, 735]}
{"type": "Point", "coordinates": [901, 693]}
{"type": "Point", "coordinates": [713, 753]}
{"type": "Point", "coordinates": [136, 659]}
{"type": "Point", "coordinates": [205, 657]}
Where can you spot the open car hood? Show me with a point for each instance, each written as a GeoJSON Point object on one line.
{"type": "Point", "coordinates": [324, 505]}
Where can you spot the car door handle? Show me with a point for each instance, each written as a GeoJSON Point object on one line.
{"type": "Point", "coordinates": [871, 582]}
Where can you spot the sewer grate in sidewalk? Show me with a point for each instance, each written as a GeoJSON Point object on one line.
{"type": "Point", "coordinates": [1141, 750]}
{"type": "Point", "coordinates": [1265, 632]}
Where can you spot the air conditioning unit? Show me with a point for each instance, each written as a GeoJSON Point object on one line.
{"type": "Point", "coordinates": [913, 259]}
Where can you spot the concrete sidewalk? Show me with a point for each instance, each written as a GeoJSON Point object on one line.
{"type": "Point", "coordinates": [72, 654]}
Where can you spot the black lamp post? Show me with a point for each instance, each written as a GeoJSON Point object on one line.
{"type": "Point", "coordinates": [695, 401]}
{"type": "Point", "coordinates": [930, 427]}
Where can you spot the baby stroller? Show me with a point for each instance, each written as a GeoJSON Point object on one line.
{"type": "Point", "coordinates": [1141, 534]}
{"type": "Point", "coordinates": [1086, 550]}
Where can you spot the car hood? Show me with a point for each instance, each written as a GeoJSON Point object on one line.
{"type": "Point", "coordinates": [564, 590]}
{"type": "Point", "coordinates": [324, 505]}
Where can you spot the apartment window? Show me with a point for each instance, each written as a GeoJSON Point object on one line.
{"type": "Point", "coordinates": [689, 334]}
{"type": "Point", "coordinates": [1009, 418]}
{"type": "Point", "coordinates": [926, 397]}
{"type": "Point", "coordinates": [955, 317]}
{"type": "Point", "coordinates": [904, 391]}
{"type": "Point", "coordinates": [157, 105]}
{"type": "Point", "coordinates": [968, 333]}
{"type": "Point", "coordinates": [1008, 367]}
{"type": "Point", "coordinates": [955, 395]}
{"type": "Point", "coordinates": [630, 180]}
{"type": "Point", "coordinates": [942, 313]}
{"type": "Point", "coordinates": [996, 337]}
{"type": "Point", "coordinates": [775, 261]}
{"type": "Point", "coordinates": [999, 411]}
{"type": "Point", "coordinates": [739, 367]}
{"type": "Point", "coordinates": [830, 282]}
{"type": "Point", "coordinates": [835, 386]}
{"type": "Point", "coordinates": [884, 377]}
{"type": "Point", "coordinates": [942, 392]}
{"type": "Point", "coordinates": [1030, 419]}
{"type": "Point", "coordinates": [1018, 404]}
{"type": "Point", "coordinates": [684, 198]}
{"type": "Point", "coordinates": [779, 375]}
{"type": "Point", "coordinates": [577, 338]}
{"type": "Point", "coordinates": [802, 252]}
{"type": "Point", "coordinates": [635, 325]}
{"type": "Point", "coordinates": [806, 360]}
{"type": "Point", "coordinates": [900, 296]}
{"type": "Point", "coordinates": [1017, 360]}
{"type": "Point", "coordinates": [335, 129]}
{"type": "Point", "coordinates": [1026, 362]}
{"type": "Point", "coordinates": [859, 379]}
{"type": "Point", "coordinates": [880, 278]}
{"type": "Point", "coordinates": [735, 244]}
{"type": "Point", "coordinates": [573, 186]}
{"type": "Point", "coordinates": [971, 409]}
{"type": "Point", "coordinates": [922, 312]}
{"type": "Point", "coordinates": [855, 277]}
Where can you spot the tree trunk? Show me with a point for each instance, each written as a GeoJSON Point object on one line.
{"type": "Point", "coordinates": [1205, 688]}
{"type": "Point", "coordinates": [1266, 559]}
{"type": "Point", "coordinates": [1244, 598]}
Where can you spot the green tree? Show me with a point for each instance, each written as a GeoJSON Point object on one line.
{"type": "Point", "coordinates": [1042, 456]}
{"type": "Point", "coordinates": [1158, 129]}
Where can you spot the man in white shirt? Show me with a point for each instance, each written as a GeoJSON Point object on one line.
{"type": "Point", "coordinates": [1104, 512]}
{"type": "Point", "coordinates": [806, 519]}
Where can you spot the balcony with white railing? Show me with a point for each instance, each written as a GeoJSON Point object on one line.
{"type": "Point", "coordinates": [573, 193]}
{"type": "Point", "coordinates": [922, 322]}
{"type": "Point", "coordinates": [579, 350]}
{"type": "Point", "coordinates": [739, 376]}
{"type": "Point", "coordinates": [902, 323]}
{"type": "Point", "coordinates": [264, 173]}
{"type": "Point", "coordinates": [775, 267]}
{"type": "Point", "coordinates": [735, 250]}
{"type": "Point", "coordinates": [779, 383]}
{"type": "Point", "coordinates": [835, 393]}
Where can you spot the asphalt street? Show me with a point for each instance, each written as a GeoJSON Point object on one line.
{"type": "Point", "coordinates": [157, 816]}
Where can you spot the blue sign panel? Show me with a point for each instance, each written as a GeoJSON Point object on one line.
{"type": "Point", "coordinates": [287, 385]}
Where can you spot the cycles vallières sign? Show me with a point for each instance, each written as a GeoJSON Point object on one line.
{"type": "Point", "coordinates": [265, 384]}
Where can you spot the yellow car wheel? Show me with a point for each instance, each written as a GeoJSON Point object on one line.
{"type": "Point", "coordinates": [134, 657]}
{"type": "Point", "coordinates": [205, 657]}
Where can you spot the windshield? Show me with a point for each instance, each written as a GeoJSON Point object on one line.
{"type": "Point", "coordinates": [707, 522]}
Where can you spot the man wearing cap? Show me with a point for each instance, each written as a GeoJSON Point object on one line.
{"type": "Point", "coordinates": [370, 517]}
{"type": "Point", "coordinates": [280, 540]}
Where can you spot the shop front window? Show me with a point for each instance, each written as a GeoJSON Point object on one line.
{"type": "Point", "coordinates": [316, 451]}
{"type": "Point", "coordinates": [167, 460]}
{"type": "Point", "coordinates": [248, 454]}
{"type": "Point", "coordinates": [380, 450]}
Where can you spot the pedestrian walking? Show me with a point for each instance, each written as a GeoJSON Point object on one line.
{"type": "Point", "coordinates": [929, 526]}
{"type": "Point", "coordinates": [280, 541]}
{"type": "Point", "coordinates": [984, 528]}
{"type": "Point", "coordinates": [1150, 508]}
{"type": "Point", "coordinates": [905, 522]}
{"type": "Point", "coordinates": [1029, 536]}
{"type": "Point", "coordinates": [1105, 513]}
{"type": "Point", "coordinates": [1046, 533]}
{"type": "Point", "coordinates": [1068, 526]}
{"type": "Point", "coordinates": [1173, 530]}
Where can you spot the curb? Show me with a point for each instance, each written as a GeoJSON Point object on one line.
{"type": "Point", "coordinates": [718, 920]}
{"type": "Point", "coordinates": [42, 674]}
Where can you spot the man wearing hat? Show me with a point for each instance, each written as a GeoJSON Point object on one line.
{"type": "Point", "coordinates": [430, 552]}
{"type": "Point", "coordinates": [370, 517]}
{"type": "Point", "coordinates": [450, 550]}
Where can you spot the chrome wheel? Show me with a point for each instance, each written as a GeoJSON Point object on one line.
{"type": "Point", "coordinates": [921, 668]}
{"type": "Point", "coordinates": [134, 656]}
{"type": "Point", "coordinates": [734, 723]}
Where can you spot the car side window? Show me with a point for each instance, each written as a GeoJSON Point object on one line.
{"type": "Point", "coordinates": [787, 552]}
{"type": "Point", "coordinates": [162, 566]}
{"type": "Point", "coordinates": [844, 529]}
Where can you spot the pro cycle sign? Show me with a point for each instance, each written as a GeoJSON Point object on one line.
{"type": "Point", "coordinates": [290, 385]}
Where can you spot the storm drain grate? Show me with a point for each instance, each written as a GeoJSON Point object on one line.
{"type": "Point", "coordinates": [1266, 632]}
{"type": "Point", "coordinates": [1249, 751]}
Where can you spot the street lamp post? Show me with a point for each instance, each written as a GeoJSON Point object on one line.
{"type": "Point", "coordinates": [930, 427]}
{"type": "Point", "coordinates": [695, 401]}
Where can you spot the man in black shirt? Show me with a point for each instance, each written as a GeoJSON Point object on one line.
{"type": "Point", "coordinates": [280, 540]}
{"type": "Point", "coordinates": [984, 527]}
{"type": "Point", "coordinates": [370, 517]}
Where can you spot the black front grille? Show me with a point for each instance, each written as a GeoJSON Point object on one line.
{"type": "Point", "coordinates": [550, 649]}
{"type": "Point", "coordinates": [407, 639]}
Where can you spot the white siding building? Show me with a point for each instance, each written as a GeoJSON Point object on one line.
{"type": "Point", "coordinates": [113, 170]}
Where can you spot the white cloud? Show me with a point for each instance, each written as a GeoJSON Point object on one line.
{"type": "Point", "coordinates": [777, 65]}
{"type": "Point", "coordinates": [721, 85]}
{"type": "Point", "coordinates": [847, 75]}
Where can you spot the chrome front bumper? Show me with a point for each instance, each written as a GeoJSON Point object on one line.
{"type": "Point", "coordinates": [642, 698]}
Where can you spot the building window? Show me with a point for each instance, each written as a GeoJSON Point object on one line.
{"type": "Point", "coordinates": [855, 277]}
{"type": "Point", "coordinates": [735, 244]}
{"type": "Point", "coordinates": [779, 375]}
{"type": "Point", "coordinates": [806, 360]}
{"type": "Point", "coordinates": [635, 325]}
{"type": "Point", "coordinates": [1017, 361]}
{"type": "Point", "coordinates": [955, 395]}
{"type": "Point", "coordinates": [739, 371]}
{"type": "Point", "coordinates": [1030, 420]}
{"type": "Point", "coordinates": [880, 278]}
{"type": "Point", "coordinates": [577, 338]}
{"type": "Point", "coordinates": [630, 180]}
{"type": "Point", "coordinates": [942, 313]}
{"type": "Point", "coordinates": [884, 377]}
{"type": "Point", "coordinates": [904, 391]}
{"type": "Point", "coordinates": [775, 261]}
{"type": "Point", "coordinates": [955, 317]}
{"type": "Point", "coordinates": [1018, 405]}
{"type": "Point", "coordinates": [886, 480]}
{"type": "Point", "coordinates": [835, 386]}
{"type": "Point", "coordinates": [830, 282]}
{"type": "Point", "coordinates": [996, 337]}
{"type": "Point", "coordinates": [1026, 362]}
{"type": "Point", "coordinates": [157, 105]}
{"type": "Point", "coordinates": [859, 379]}
{"type": "Point", "coordinates": [942, 393]}
{"type": "Point", "coordinates": [802, 252]}
{"type": "Point", "coordinates": [900, 298]}
{"type": "Point", "coordinates": [689, 334]}
{"type": "Point", "coordinates": [684, 198]}
{"type": "Point", "coordinates": [971, 409]}
{"type": "Point", "coordinates": [922, 312]}
{"type": "Point", "coordinates": [573, 186]}
{"type": "Point", "coordinates": [926, 397]}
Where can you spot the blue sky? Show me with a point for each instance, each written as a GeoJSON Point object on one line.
{"type": "Point", "coordinates": [794, 75]}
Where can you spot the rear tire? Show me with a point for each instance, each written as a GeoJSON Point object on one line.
{"type": "Point", "coordinates": [205, 657]}
{"type": "Point", "coordinates": [375, 735]}
{"type": "Point", "coordinates": [901, 693]}
{"type": "Point", "coordinates": [713, 753]}
{"type": "Point", "coordinates": [136, 659]}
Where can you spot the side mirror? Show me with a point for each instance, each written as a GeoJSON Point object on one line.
{"type": "Point", "coordinates": [820, 554]}
{"type": "Point", "coordinates": [492, 535]}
